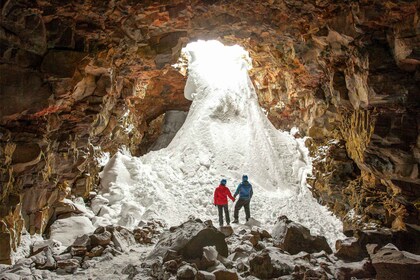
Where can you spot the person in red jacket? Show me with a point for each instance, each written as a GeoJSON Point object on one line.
{"type": "Point", "coordinates": [220, 200]}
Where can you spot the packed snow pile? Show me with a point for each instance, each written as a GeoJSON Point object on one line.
{"type": "Point", "coordinates": [225, 135]}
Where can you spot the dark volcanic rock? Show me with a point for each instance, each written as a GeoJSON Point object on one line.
{"type": "Point", "coordinates": [102, 239]}
{"type": "Point", "coordinates": [261, 266]}
{"type": "Point", "coordinates": [21, 90]}
{"type": "Point", "coordinates": [186, 272]}
{"type": "Point", "coordinates": [349, 249]}
{"type": "Point", "coordinates": [294, 238]}
{"type": "Point", "coordinates": [188, 240]}
{"type": "Point", "coordinates": [354, 248]}
{"type": "Point", "coordinates": [68, 266]}
{"type": "Point", "coordinates": [391, 263]}
{"type": "Point", "coordinates": [359, 270]}
{"type": "Point", "coordinates": [61, 64]}
{"type": "Point", "coordinates": [224, 274]}
{"type": "Point", "coordinates": [44, 259]}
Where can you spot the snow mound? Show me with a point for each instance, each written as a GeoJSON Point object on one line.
{"type": "Point", "coordinates": [225, 135]}
{"type": "Point", "coordinates": [67, 230]}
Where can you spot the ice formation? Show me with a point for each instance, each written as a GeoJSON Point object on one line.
{"type": "Point", "coordinates": [225, 135]}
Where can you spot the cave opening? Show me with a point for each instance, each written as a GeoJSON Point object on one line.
{"type": "Point", "coordinates": [226, 134]}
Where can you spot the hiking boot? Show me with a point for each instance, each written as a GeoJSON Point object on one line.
{"type": "Point", "coordinates": [235, 221]}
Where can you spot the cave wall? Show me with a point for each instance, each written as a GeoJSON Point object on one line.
{"type": "Point", "coordinates": [80, 78]}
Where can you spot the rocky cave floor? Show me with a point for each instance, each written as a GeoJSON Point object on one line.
{"type": "Point", "coordinates": [199, 250]}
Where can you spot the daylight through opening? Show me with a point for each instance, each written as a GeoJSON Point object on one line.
{"type": "Point", "coordinates": [225, 135]}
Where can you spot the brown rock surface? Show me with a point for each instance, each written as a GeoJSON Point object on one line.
{"type": "Point", "coordinates": [189, 239]}
{"type": "Point", "coordinates": [261, 266]}
{"type": "Point", "coordinates": [391, 263]}
{"type": "Point", "coordinates": [294, 238]}
{"type": "Point", "coordinates": [81, 78]}
{"type": "Point", "coordinates": [224, 274]}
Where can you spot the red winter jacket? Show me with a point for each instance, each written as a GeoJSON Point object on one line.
{"type": "Point", "coordinates": [220, 195]}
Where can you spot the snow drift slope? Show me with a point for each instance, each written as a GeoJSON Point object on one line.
{"type": "Point", "coordinates": [225, 135]}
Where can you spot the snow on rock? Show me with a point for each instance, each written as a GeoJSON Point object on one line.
{"type": "Point", "coordinates": [225, 135]}
{"type": "Point", "coordinates": [67, 230]}
{"type": "Point", "coordinates": [51, 243]}
{"type": "Point", "coordinates": [97, 203]}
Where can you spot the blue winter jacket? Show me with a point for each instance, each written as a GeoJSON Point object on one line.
{"type": "Point", "coordinates": [244, 190]}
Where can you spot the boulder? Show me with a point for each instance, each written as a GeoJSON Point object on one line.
{"type": "Point", "coordinates": [264, 234]}
{"type": "Point", "coordinates": [143, 235]}
{"type": "Point", "coordinates": [241, 252]}
{"type": "Point", "coordinates": [391, 263]}
{"type": "Point", "coordinates": [44, 259]}
{"type": "Point", "coordinates": [350, 270]}
{"type": "Point", "coordinates": [171, 266]}
{"type": "Point", "coordinates": [171, 255]}
{"type": "Point", "coordinates": [253, 239]}
{"type": "Point", "coordinates": [261, 266]}
{"type": "Point", "coordinates": [189, 239]}
{"type": "Point", "coordinates": [224, 274]}
{"type": "Point", "coordinates": [78, 251]}
{"type": "Point", "coordinates": [354, 248]}
{"type": "Point", "coordinates": [67, 230]}
{"type": "Point", "coordinates": [186, 272]}
{"type": "Point", "coordinates": [123, 238]}
{"type": "Point", "coordinates": [102, 239]}
{"type": "Point", "coordinates": [283, 263]}
{"type": "Point", "coordinates": [66, 206]}
{"type": "Point", "coordinates": [204, 275]}
{"type": "Point", "coordinates": [349, 249]}
{"type": "Point", "coordinates": [226, 230]}
{"type": "Point", "coordinates": [55, 245]}
{"type": "Point", "coordinates": [95, 251]}
{"type": "Point", "coordinates": [225, 261]}
{"type": "Point", "coordinates": [97, 203]}
{"type": "Point", "coordinates": [62, 257]}
{"type": "Point", "coordinates": [82, 241]}
{"type": "Point", "coordinates": [294, 238]}
{"type": "Point", "coordinates": [68, 266]}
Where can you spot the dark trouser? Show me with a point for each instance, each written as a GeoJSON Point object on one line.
{"type": "Point", "coordinates": [221, 208]}
{"type": "Point", "coordinates": [245, 203]}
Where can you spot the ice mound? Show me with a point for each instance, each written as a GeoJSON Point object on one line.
{"type": "Point", "coordinates": [225, 135]}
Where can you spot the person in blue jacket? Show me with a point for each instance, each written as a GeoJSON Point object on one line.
{"type": "Point", "coordinates": [245, 194]}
